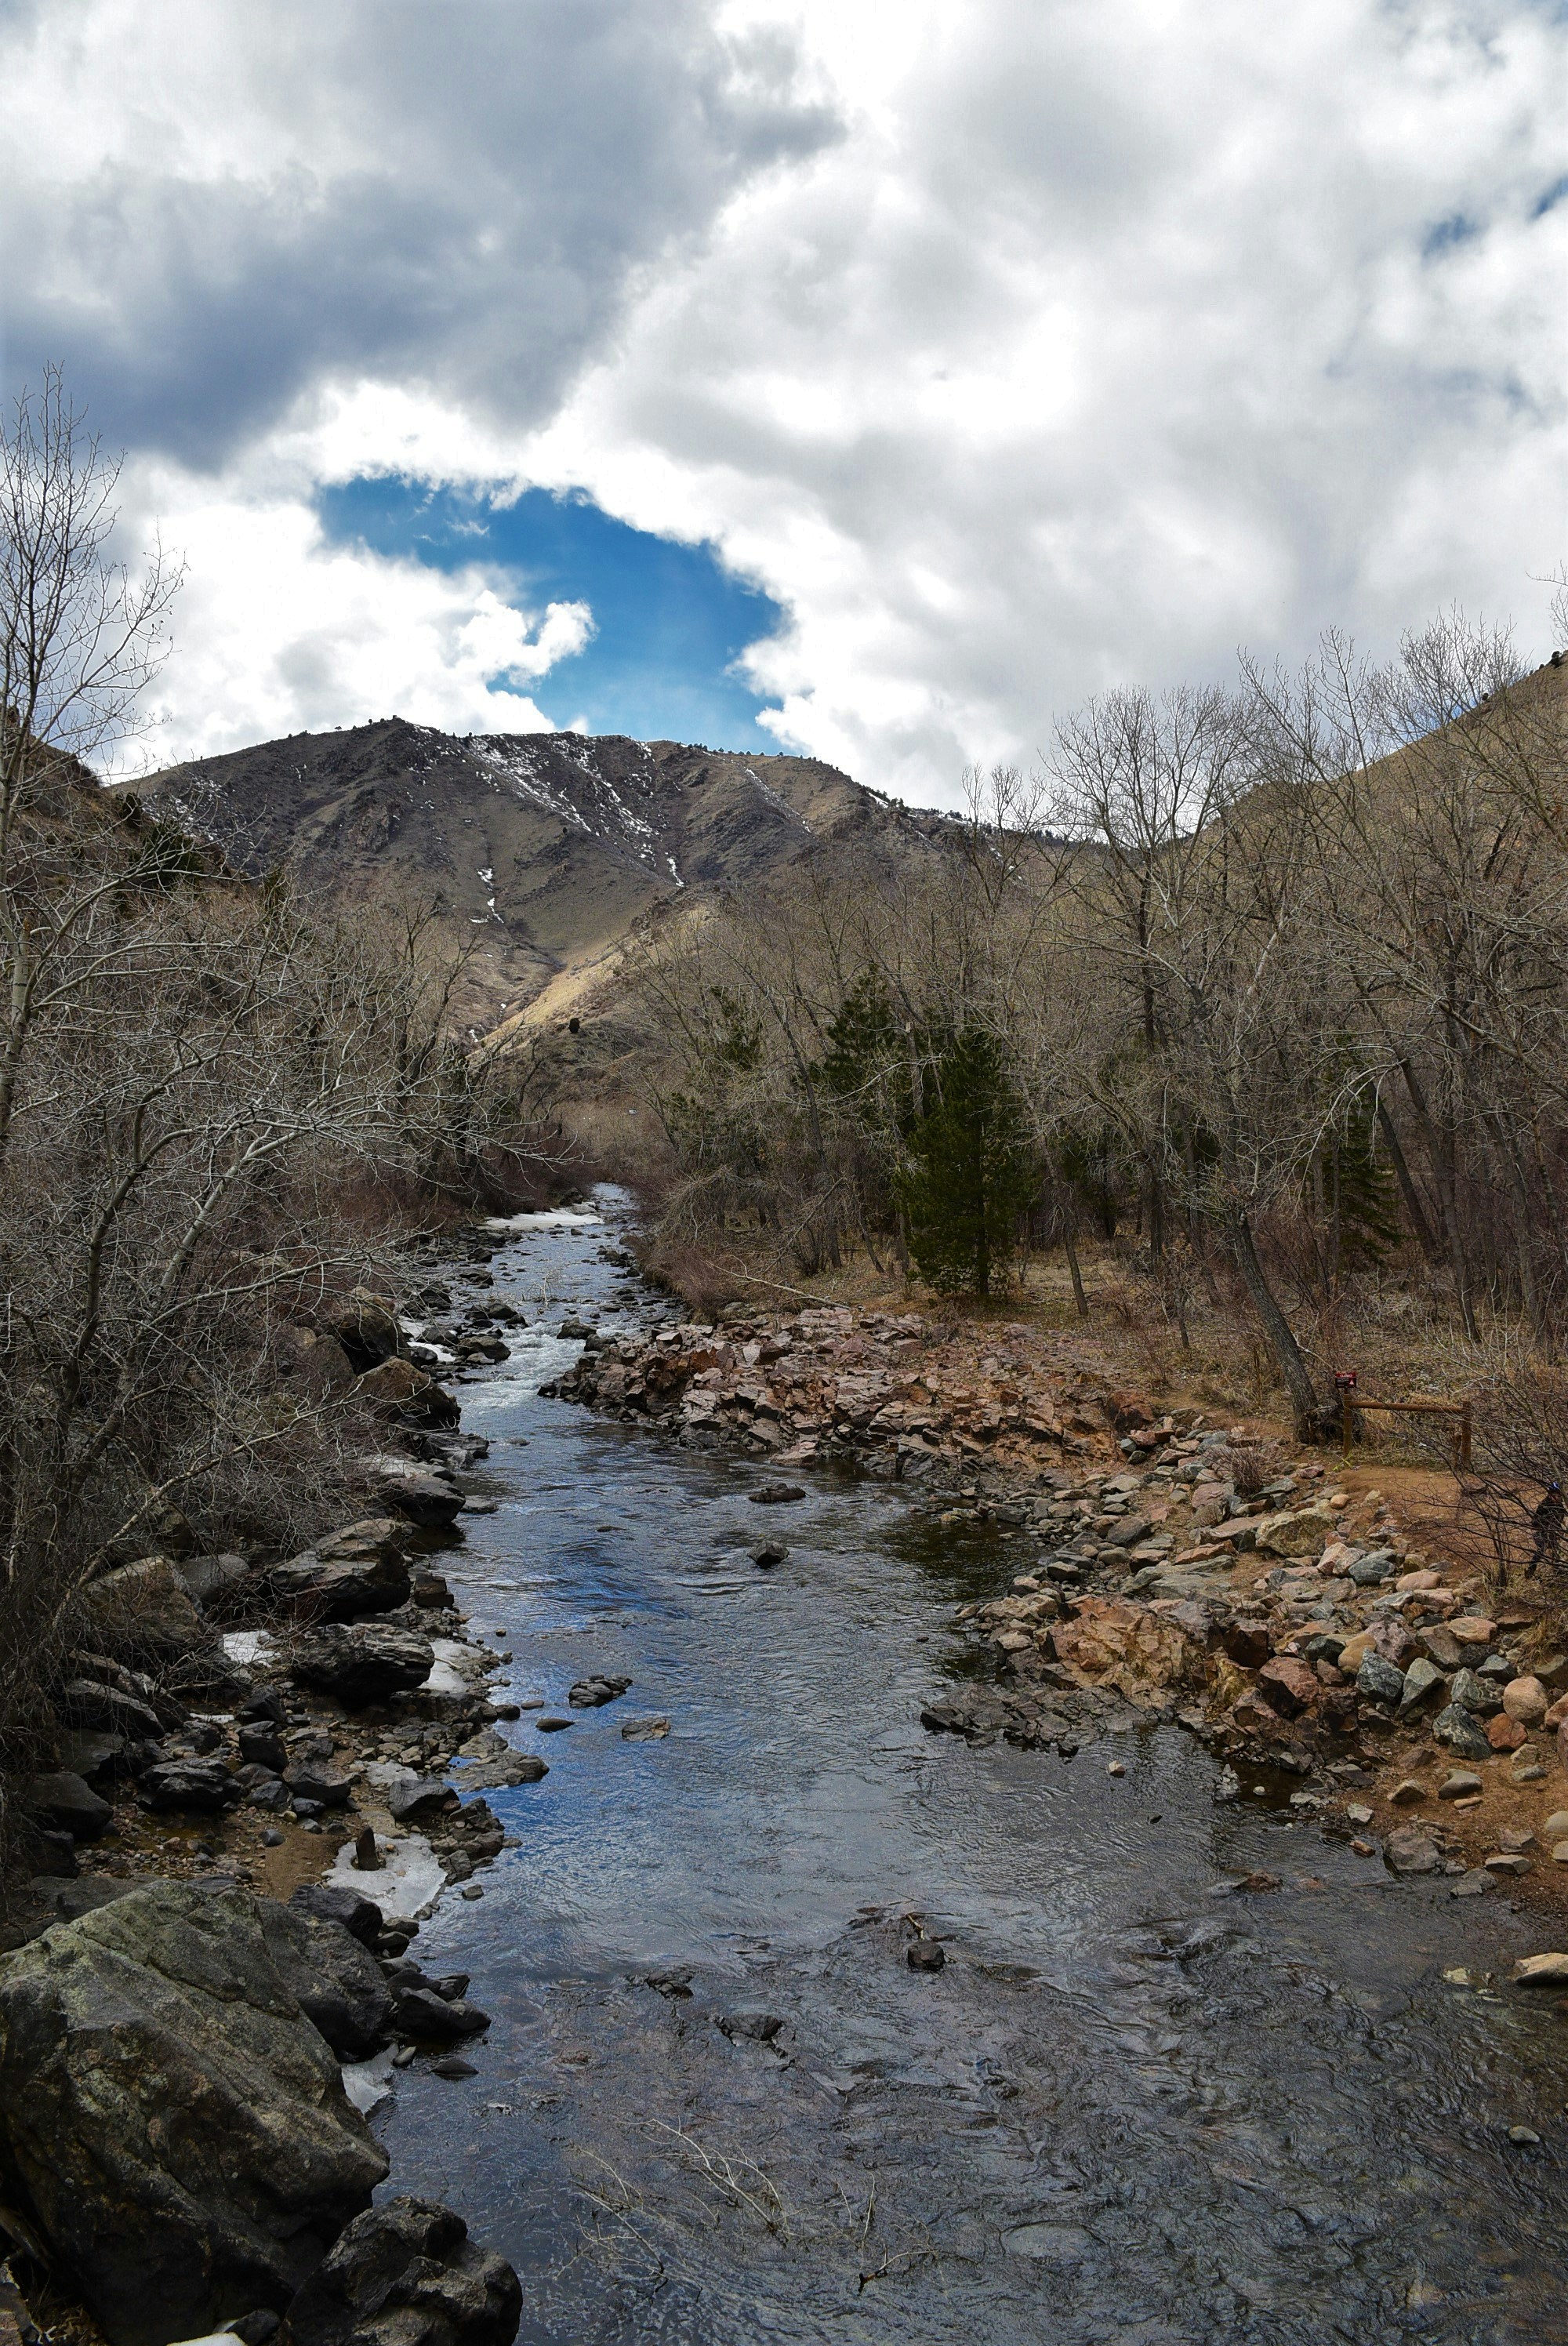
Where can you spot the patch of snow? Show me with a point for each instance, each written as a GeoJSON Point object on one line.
{"type": "Point", "coordinates": [410, 1877]}
{"type": "Point", "coordinates": [559, 1217]}
{"type": "Point", "coordinates": [368, 2084]}
{"type": "Point", "coordinates": [245, 1646]}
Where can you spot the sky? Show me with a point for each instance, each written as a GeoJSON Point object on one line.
{"type": "Point", "coordinates": [872, 381]}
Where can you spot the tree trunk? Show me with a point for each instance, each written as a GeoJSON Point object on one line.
{"type": "Point", "coordinates": [1276, 1327]}
{"type": "Point", "coordinates": [1426, 1237]}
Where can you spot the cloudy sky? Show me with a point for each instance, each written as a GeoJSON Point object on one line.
{"type": "Point", "coordinates": [874, 378]}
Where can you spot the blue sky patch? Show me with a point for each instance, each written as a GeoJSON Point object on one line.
{"type": "Point", "coordinates": [670, 620]}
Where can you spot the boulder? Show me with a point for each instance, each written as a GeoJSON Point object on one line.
{"type": "Point", "coordinates": [1527, 1700]}
{"type": "Point", "coordinates": [1409, 1849]}
{"type": "Point", "coordinates": [202, 1786]}
{"type": "Point", "coordinates": [261, 1746]}
{"type": "Point", "coordinates": [407, 2274]}
{"type": "Point", "coordinates": [430, 1500]}
{"type": "Point", "coordinates": [1541, 1971]}
{"type": "Point", "coordinates": [207, 1578]}
{"type": "Point", "coordinates": [313, 1365]}
{"type": "Point", "coordinates": [361, 1917]}
{"type": "Point", "coordinates": [92, 1754]}
{"type": "Point", "coordinates": [1248, 1643]}
{"type": "Point", "coordinates": [1424, 1683]}
{"type": "Point", "coordinates": [62, 1802]}
{"type": "Point", "coordinates": [1377, 1678]}
{"type": "Point", "coordinates": [1462, 1731]}
{"type": "Point", "coordinates": [1289, 1686]}
{"type": "Point", "coordinates": [177, 2123]}
{"type": "Point", "coordinates": [334, 1980]}
{"type": "Point", "coordinates": [419, 2011]}
{"type": "Point", "coordinates": [363, 1662]}
{"type": "Point", "coordinates": [1300, 1531]}
{"type": "Point", "coordinates": [341, 1588]}
{"type": "Point", "coordinates": [1441, 1646]}
{"type": "Point", "coordinates": [1475, 1693]}
{"type": "Point", "coordinates": [365, 1325]}
{"type": "Point", "coordinates": [144, 1610]}
{"type": "Point", "coordinates": [310, 1780]}
{"type": "Point", "coordinates": [416, 1799]}
{"type": "Point", "coordinates": [398, 1391]}
{"type": "Point", "coordinates": [1125, 1647]}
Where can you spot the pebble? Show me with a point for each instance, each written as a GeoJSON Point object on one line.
{"type": "Point", "coordinates": [553, 1725]}
{"type": "Point", "coordinates": [1116, 1768]}
{"type": "Point", "coordinates": [1557, 1826]}
{"type": "Point", "coordinates": [1560, 1853]}
{"type": "Point", "coordinates": [272, 1838]}
{"type": "Point", "coordinates": [471, 1890]}
{"type": "Point", "coordinates": [1460, 1785]}
{"type": "Point", "coordinates": [403, 2057]}
{"type": "Point", "coordinates": [1404, 1795]}
{"type": "Point", "coordinates": [453, 2068]}
{"type": "Point", "coordinates": [1522, 2133]}
{"type": "Point", "coordinates": [1358, 1812]}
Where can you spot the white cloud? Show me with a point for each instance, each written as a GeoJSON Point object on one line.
{"type": "Point", "coordinates": [279, 632]}
{"type": "Point", "coordinates": [1102, 338]}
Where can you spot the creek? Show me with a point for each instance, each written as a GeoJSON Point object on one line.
{"type": "Point", "coordinates": [719, 2107]}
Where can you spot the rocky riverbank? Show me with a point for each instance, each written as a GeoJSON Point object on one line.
{"type": "Point", "coordinates": [1161, 1566]}
{"type": "Point", "coordinates": [251, 1811]}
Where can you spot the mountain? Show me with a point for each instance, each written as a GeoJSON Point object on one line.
{"type": "Point", "coordinates": [540, 849]}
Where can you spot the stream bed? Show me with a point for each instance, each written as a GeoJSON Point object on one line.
{"type": "Point", "coordinates": [718, 2106]}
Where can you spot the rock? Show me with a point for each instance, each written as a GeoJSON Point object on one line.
{"type": "Point", "coordinates": [61, 1802]}
{"type": "Point", "coordinates": [419, 2012]}
{"type": "Point", "coordinates": [365, 1325]}
{"type": "Point", "coordinates": [208, 1577]}
{"type": "Point", "coordinates": [325, 1902]}
{"type": "Point", "coordinates": [551, 1723]}
{"type": "Point", "coordinates": [926, 1955]}
{"type": "Point", "coordinates": [1249, 1643]}
{"type": "Point", "coordinates": [143, 1610]}
{"type": "Point", "coordinates": [1460, 1784]}
{"type": "Point", "coordinates": [1557, 1826]}
{"type": "Point", "coordinates": [1504, 1734]}
{"type": "Point", "coordinates": [1507, 1861]}
{"type": "Point", "coordinates": [777, 1494]}
{"type": "Point", "coordinates": [1475, 1693]}
{"type": "Point", "coordinates": [1526, 1700]}
{"type": "Point", "coordinates": [309, 1780]}
{"type": "Point", "coordinates": [591, 1693]}
{"type": "Point", "coordinates": [398, 1391]}
{"type": "Point", "coordinates": [1378, 1679]}
{"type": "Point", "coordinates": [645, 1730]}
{"type": "Point", "coordinates": [1457, 1728]}
{"type": "Point", "coordinates": [204, 1786]}
{"type": "Point", "coordinates": [759, 2027]}
{"type": "Point", "coordinates": [179, 2124]}
{"type": "Point", "coordinates": [1541, 1971]}
{"type": "Point", "coordinates": [768, 1553]}
{"type": "Point", "coordinates": [364, 1662]}
{"type": "Point", "coordinates": [335, 1981]}
{"type": "Point", "coordinates": [1405, 1795]}
{"type": "Point", "coordinates": [416, 1799]}
{"type": "Point", "coordinates": [1129, 1531]}
{"type": "Point", "coordinates": [261, 1746]}
{"type": "Point", "coordinates": [1424, 1683]}
{"type": "Point", "coordinates": [428, 1500]}
{"type": "Point", "coordinates": [406, 2274]}
{"type": "Point", "coordinates": [314, 1366]}
{"type": "Point", "coordinates": [343, 1587]}
{"type": "Point", "coordinates": [1441, 1645]}
{"type": "Point", "coordinates": [91, 1753]}
{"type": "Point", "coordinates": [1302, 1531]}
{"type": "Point", "coordinates": [1473, 1630]}
{"type": "Point", "coordinates": [1354, 1652]}
{"type": "Point", "coordinates": [1288, 1686]}
{"type": "Point", "coordinates": [1409, 1849]}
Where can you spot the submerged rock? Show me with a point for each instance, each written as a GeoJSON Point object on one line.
{"type": "Point", "coordinates": [178, 2122]}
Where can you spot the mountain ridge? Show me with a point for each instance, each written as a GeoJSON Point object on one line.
{"type": "Point", "coordinates": [541, 849]}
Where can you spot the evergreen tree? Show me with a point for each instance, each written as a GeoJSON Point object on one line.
{"type": "Point", "coordinates": [973, 1168]}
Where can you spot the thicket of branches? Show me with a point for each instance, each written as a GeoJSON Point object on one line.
{"type": "Point", "coordinates": [1270, 983]}
{"type": "Point", "coordinates": [216, 1105]}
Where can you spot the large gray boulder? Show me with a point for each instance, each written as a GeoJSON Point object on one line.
{"type": "Point", "coordinates": [407, 2274]}
{"type": "Point", "coordinates": [362, 1662]}
{"type": "Point", "coordinates": [335, 1982]}
{"type": "Point", "coordinates": [177, 2122]}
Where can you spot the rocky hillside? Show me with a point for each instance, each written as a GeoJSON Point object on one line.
{"type": "Point", "coordinates": [543, 849]}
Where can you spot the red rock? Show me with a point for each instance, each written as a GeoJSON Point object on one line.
{"type": "Point", "coordinates": [1504, 1734]}
{"type": "Point", "coordinates": [1247, 1642]}
{"type": "Point", "coordinates": [1288, 1685]}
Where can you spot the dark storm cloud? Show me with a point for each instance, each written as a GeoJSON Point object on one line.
{"type": "Point", "coordinates": [215, 210]}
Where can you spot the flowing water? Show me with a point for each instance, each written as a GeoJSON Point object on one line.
{"type": "Point", "coordinates": [717, 2105]}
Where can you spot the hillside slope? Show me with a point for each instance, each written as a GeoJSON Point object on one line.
{"type": "Point", "coordinates": [541, 849]}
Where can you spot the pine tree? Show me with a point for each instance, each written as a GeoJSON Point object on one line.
{"type": "Point", "coordinates": [973, 1168]}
